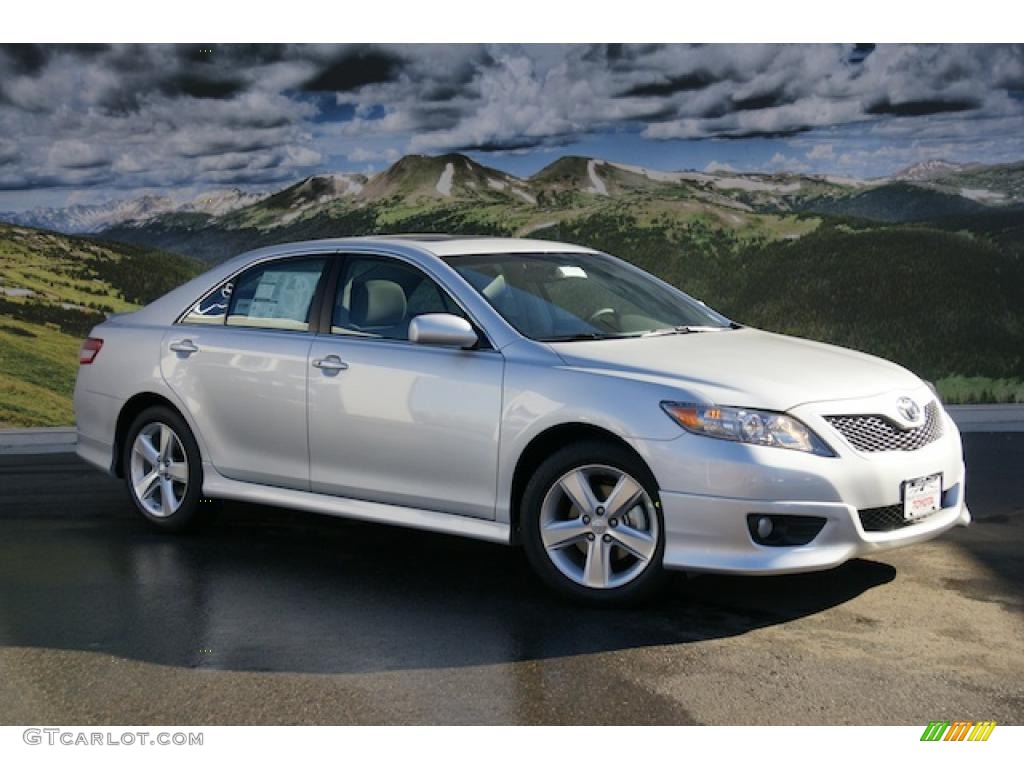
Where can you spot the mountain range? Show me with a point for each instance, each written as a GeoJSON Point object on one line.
{"type": "Point", "coordinates": [90, 218]}
{"type": "Point", "coordinates": [212, 225]}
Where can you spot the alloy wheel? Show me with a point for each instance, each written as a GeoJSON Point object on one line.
{"type": "Point", "coordinates": [159, 469]}
{"type": "Point", "coordinates": [599, 526]}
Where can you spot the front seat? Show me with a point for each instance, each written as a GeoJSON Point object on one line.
{"type": "Point", "coordinates": [379, 307]}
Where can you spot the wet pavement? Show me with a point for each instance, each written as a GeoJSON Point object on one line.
{"type": "Point", "coordinates": [269, 616]}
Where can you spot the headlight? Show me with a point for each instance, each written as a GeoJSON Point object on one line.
{"type": "Point", "coordinates": [746, 425]}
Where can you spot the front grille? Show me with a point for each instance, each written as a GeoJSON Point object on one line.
{"type": "Point", "coordinates": [877, 433]}
{"type": "Point", "coordinates": [884, 518]}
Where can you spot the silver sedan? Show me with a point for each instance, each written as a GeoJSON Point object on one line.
{"type": "Point", "coordinates": [519, 392]}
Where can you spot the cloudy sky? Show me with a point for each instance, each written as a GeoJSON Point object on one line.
{"type": "Point", "coordinates": [87, 123]}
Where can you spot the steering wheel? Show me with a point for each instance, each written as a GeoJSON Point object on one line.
{"type": "Point", "coordinates": [607, 317]}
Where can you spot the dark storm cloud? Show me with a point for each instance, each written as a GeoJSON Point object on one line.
{"type": "Point", "coordinates": [240, 54]}
{"type": "Point", "coordinates": [919, 107]}
{"type": "Point", "coordinates": [187, 84]}
{"type": "Point", "coordinates": [354, 69]}
{"type": "Point", "coordinates": [501, 146]}
{"type": "Point", "coordinates": [770, 100]}
{"type": "Point", "coordinates": [860, 51]}
{"type": "Point", "coordinates": [25, 58]}
{"type": "Point", "coordinates": [437, 117]}
{"type": "Point", "coordinates": [513, 145]}
{"type": "Point", "coordinates": [781, 134]}
{"type": "Point", "coordinates": [691, 81]}
{"type": "Point", "coordinates": [620, 56]}
{"type": "Point", "coordinates": [222, 144]}
{"type": "Point", "coordinates": [443, 92]}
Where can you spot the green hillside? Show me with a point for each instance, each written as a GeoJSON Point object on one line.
{"type": "Point", "coordinates": [940, 303]}
{"type": "Point", "coordinates": [53, 289]}
{"type": "Point", "coordinates": [897, 203]}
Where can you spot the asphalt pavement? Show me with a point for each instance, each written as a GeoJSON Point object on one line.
{"type": "Point", "coordinates": [269, 616]}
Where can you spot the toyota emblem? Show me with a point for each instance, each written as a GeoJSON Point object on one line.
{"type": "Point", "coordinates": [908, 409]}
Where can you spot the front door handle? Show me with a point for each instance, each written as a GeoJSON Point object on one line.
{"type": "Point", "coordinates": [185, 346]}
{"type": "Point", "coordinates": [330, 363]}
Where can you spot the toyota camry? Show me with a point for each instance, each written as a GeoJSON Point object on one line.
{"type": "Point", "coordinates": [520, 392]}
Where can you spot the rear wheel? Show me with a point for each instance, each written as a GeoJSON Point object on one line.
{"type": "Point", "coordinates": [162, 469]}
{"type": "Point", "coordinates": [592, 525]}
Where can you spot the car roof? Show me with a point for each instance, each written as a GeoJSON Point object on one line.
{"type": "Point", "coordinates": [456, 245]}
{"type": "Point", "coordinates": [440, 245]}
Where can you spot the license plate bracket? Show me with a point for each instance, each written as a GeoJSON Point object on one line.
{"type": "Point", "coordinates": [921, 496]}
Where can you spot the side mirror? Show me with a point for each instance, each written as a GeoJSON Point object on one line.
{"type": "Point", "coordinates": [442, 329]}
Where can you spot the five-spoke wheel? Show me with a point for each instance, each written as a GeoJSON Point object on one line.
{"type": "Point", "coordinates": [599, 526]}
{"type": "Point", "coordinates": [162, 468]}
{"type": "Point", "coordinates": [591, 524]}
{"type": "Point", "coordinates": [159, 469]}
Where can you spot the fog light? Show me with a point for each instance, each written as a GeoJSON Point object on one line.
{"type": "Point", "coordinates": [783, 530]}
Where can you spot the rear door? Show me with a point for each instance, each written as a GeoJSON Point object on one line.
{"type": "Point", "coordinates": [238, 361]}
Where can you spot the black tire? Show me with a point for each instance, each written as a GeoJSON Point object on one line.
{"type": "Point", "coordinates": [643, 586]}
{"type": "Point", "coordinates": [191, 510]}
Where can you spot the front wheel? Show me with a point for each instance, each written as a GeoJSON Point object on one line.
{"type": "Point", "coordinates": [592, 525]}
{"type": "Point", "coordinates": [162, 469]}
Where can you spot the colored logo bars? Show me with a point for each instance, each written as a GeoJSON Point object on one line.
{"type": "Point", "coordinates": [958, 730]}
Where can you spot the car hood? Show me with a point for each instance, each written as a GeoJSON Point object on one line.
{"type": "Point", "coordinates": [742, 367]}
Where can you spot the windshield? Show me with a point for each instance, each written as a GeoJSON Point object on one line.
{"type": "Point", "coordinates": [569, 296]}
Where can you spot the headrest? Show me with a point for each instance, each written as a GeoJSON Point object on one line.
{"type": "Point", "coordinates": [495, 289]}
{"type": "Point", "coordinates": [376, 303]}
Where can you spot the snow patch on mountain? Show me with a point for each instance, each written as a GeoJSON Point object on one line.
{"type": "Point", "coordinates": [597, 185]}
{"type": "Point", "coordinates": [982, 195]}
{"type": "Point", "coordinates": [929, 169]}
{"type": "Point", "coordinates": [220, 201]}
{"type": "Point", "coordinates": [849, 181]}
{"type": "Point", "coordinates": [524, 195]}
{"type": "Point", "coordinates": [346, 183]}
{"type": "Point", "coordinates": [756, 185]}
{"type": "Point", "coordinates": [670, 177]}
{"type": "Point", "coordinates": [444, 184]}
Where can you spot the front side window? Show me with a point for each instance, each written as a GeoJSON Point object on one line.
{"type": "Point", "coordinates": [377, 297]}
{"type": "Point", "coordinates": [277, 295]}
{"type": "Point", "coordinates": [565, 296]}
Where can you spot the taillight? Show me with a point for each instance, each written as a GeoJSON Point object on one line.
{"type": "Point", "coordinates": [90, 348]}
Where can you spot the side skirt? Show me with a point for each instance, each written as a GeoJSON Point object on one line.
{"type": "Point", "coordinates": [217, 486]}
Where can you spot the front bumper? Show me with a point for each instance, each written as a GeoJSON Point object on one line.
{"type": "Point", "coordinates": [707, 533]}
{"type": "Point", "coordinates": [709, 487]}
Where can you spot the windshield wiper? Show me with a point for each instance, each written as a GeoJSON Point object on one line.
{"type": "Point", "coordinates": [686, 329]}
{"type": "Point", "coordinates": [585, 336]}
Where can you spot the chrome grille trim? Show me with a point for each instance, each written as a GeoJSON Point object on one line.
{"type": "Point", "coordinates": [873, 433]}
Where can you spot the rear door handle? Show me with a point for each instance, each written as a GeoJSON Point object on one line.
{"type": "Point", "coordinates": [185, 346]}
{"type": "Point", "coordinates": [330, 363]}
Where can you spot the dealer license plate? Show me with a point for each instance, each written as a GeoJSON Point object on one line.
{"type": "Point", "coordinates": [922, 496]}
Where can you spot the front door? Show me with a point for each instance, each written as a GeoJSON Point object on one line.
{"type": "Point", "coordinates": [393, 421]}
